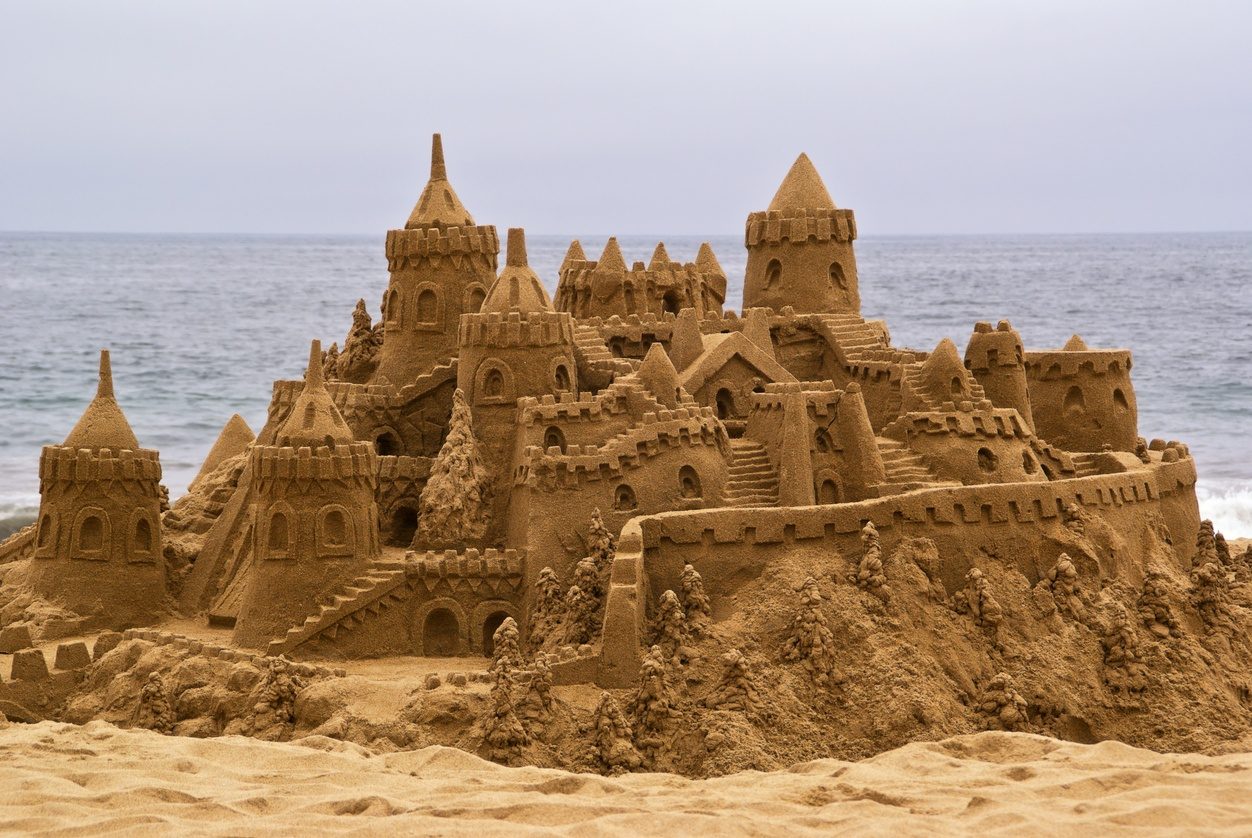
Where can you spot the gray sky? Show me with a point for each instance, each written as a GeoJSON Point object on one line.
{"type": "Point", "coordinates": [670, 117]}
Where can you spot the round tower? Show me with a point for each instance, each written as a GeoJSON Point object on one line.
{"type": "Point", "coordinates": [516, 345]}
{"type": "Point", "coordinates": [98, 544]}
{"type": "Point", "coordinates": [800, 249]}
{"type": "Point", "coordinates": [441, 265]}
{"type": "Point", "coordinates": [998, 362]}
{"type": "Point", "coordinates": [315, 522]}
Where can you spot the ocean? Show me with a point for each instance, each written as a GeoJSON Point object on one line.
{"type": "Point", "coordinates": [200, 326]}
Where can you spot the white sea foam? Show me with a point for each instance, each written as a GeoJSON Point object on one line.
{"type": "Point", "coordinates": [1229, 506]}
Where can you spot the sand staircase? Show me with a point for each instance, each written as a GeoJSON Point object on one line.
{"type": "Point", "coordinates": [752, 479]}
{"type": "Point", "coordinates": [1085, 464]}
{"type": "Point", "coordinates": [591, 353]}
{"type": "Point", "coordinates": [905, 468]}
{"type": "Point", "coordinates": [349, 606]}
{"type": "Point", "coordinates": [850, 331]}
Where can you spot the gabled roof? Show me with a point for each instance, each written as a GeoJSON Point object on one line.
{"type": "Point", "coordinates": [719, 350]}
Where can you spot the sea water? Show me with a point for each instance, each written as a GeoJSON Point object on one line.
{"type": "Point", "coordinates": [200, 326]}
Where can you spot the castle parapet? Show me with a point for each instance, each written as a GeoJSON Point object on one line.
{"type": "Point", "coordinates": [800, 225]}
{"type": "Point", "coordinates": [406, 248]}
{"type": "Point", "coordinates": [512, 329]}
{"type": "Point", "coordinates": [58, 464]}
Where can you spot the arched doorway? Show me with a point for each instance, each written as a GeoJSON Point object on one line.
{"type": "Point", "coordinates": [403, 526]}
{"type": "Point", "coordinates": [490, 625]}
{"type": "Point", "coordinates": [828, 492]}
{"type": "Point", "coordinates": [671, 302]}
{"type": "Point", "coordinates": [386, 444]}
{"type": "Point", "coordinates": [725, 402]}
{"type": "Point", "coordinates": [441, 635]}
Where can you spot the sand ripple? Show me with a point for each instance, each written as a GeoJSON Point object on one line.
{"type": "Point", "coordinates": [99, 780]}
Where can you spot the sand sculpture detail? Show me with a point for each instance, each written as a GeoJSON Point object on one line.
{"type": "Point", "coordinates": [714, 517]}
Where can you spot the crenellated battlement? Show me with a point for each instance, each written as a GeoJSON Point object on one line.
{"type": "Point", "coordinates": [800, 225]}
{"type": "Point", "coordinates": [585, 408]}
{"type": "Point", "coordinates": [966, 420]}
{"type": "Point", "coordinates": [536, 328]}
{"type": "Point", "coordinates": [58, 464]}
{"type": "Point", "coordinates": [410, 247]}
{"type": "Point", "coordinates": [1062, 363]}
{"type": "Point", "coordinates": [822, 397]}
{"type": "Point", "coordinates": [354, 461]}
{"type": "Point", "coordinates": [469, 567]}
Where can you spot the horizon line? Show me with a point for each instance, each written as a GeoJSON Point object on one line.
{"type": "Point", "coordinates": [288, 234]}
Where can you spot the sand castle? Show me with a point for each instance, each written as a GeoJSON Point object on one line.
{"type": "Point", "coordinates": [486, 454]}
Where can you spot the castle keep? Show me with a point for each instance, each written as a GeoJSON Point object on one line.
{"type": "Point", "coordinates": [427, 480]}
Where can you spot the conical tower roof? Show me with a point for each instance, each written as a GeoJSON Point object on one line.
{"type": "Point", "coordinates": [1075, 344]}
{"type": "Point", "coordinates": [234, 439]}
{"type": "Point", "coordinates": [802, 188]}
{"type": "Point", "coordinates": [660, 257]}
{"type": "Point", "coordinates": [439, 205]}
{"type": "Point", "coordinates": [657, 373]}
{"type": "Point", "coordinates": [574, 254]}
{"type": "Point", "coordinates": [314, 420]}
{"type": "Point", "coordinates": [103, 425]}
{"type": "Point", "coordinates": [707, 262]}
{"type": "Point", "coordinates": [942, 366]}
{"type": "Point", "coordinates": [611, 259]}
{"type": "Point", "coordinates": [518, 287]}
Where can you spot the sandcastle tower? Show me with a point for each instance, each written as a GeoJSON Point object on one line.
{"type": "Point", "coordinates": [998, 362]}
{"type": "Point", "coordinates": [441, 265]}
{"type": "Point", "coordinates": [607, 287]}
{"type": "Point", "coordinates": [98, 545]}
{"type": "Point", "coordinates": [315, 522]}
{"type": "Point", "coordinates": [1082, 399]}
{"type": "Point", "coordinates": [800, 249]}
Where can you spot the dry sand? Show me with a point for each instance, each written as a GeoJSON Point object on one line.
{"type": "Point", "coordinates": [97, 779]}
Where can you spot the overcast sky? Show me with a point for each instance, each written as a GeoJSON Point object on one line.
{"type": "Point", "coordinates": [670, 117]}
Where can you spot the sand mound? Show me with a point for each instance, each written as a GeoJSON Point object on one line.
{"type": "Point", "coordinates": [97, 778]}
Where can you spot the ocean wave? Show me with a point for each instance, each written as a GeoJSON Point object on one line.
{"type": "Point", "coordinates": [1229, 506]}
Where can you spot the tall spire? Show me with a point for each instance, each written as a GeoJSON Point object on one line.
{"type": "Point", "coordinates": [439, 205]}
{"type": "Point", "coordinates": [438, 169]}
{"type": "Point", "coordinates": [660, 257]}
{"type": "Point", "coordinates": [518, 287]}
{"type": "Point", "coordinates": [802, 188]}
{"type": "Point", "coordinates": [314, 420]}
{"type": "Point", "coordinates": [574, 254]}
{"type": "Point", "coordinates": [103, 425]}
{"type": "Point", "coordinates": [707, 262]}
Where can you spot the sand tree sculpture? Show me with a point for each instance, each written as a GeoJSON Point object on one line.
{"type": "Point", "coordinates": [454, 502]}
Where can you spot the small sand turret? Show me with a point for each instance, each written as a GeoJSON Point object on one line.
{"type": "Point", "coordinates": [98, 546]}
{"type": "Point", "coordinates": [800, 249]}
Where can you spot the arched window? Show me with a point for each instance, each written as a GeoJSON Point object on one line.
{"type": "Point", "coordinates": [91, 534]}
{"type": "Point", "coordinates": [335, 529]}
{"type": "Point", "coordinates": [493, 384]}
{"type": "Point", "coordinates": [278, 538]}
{"type": "Point", "coordinates": [725, 402]}
{"type": "Point", "coordinates": [474, 299]}
{"type": "Point", "coordinates": [837, 278]}
{"type": "Point", "coordinates": [822, 441]}
{"type": "Point", "coordinates": [624, 498]}
{"type": "Point", "coordinates": [1119, 400]}
{"type": "Point", "coordinates": [1028, 463]}
{"type": "Point", "coordinates": [957, 386]}
{"type": "Point", "coordinates": [143, 536]}
{"type": "Point", "coordinates": [773, 273]}
{"type": "Point", "coordinates": [427, 307]}
{"type": "Point", "coordinates": [553, 438]}
{"type": "Point", "coordinates": [561, 378]}
{"type": "Point", "coordinates": [1074, 400]}
{"type": "Point", "coordinates": [392, 314]}
{"type": "Point", "coordinates": [45, 531]}
{"type": "Point", "coordinates": [689, 482]}
{"type": "Point", "coordinates": [828, 492]}
{"type": "Point", "coordinates": [628, 295]}
{"type": "Point", "coordinates": [987, 460]}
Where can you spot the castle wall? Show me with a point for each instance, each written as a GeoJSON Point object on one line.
{"type": "Point", "coordinates": [1019, 524]}
{"type": "Point", "coordinates": [1083, 400]}
{"type": "Point", "coordinates": [98, 539]}
{"type": "Point", "coordinates": [971, 446]}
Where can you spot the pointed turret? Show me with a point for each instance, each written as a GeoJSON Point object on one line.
{"type": "Point", "coordinates": [756, 329]}
{"type": "Point", "coordinates": [439, 205]}
{"type": "Point", "coordinates": [611, 259]}
{"type": "Point", "coordinates": [518, 288]}
{"type": "Point", "coordinates": [574, 254]}
{"type": "Point", "coordinates": [103, 425]}
{"type": "Point", "coordinates": [707, 262]}
{"type": "Point", "coordinates": [1075, 344]}
{"type": "Point", "coordinates": [945, 374]}
{"type": "Point", "coordinates": [314, 420]}
{"type": "Point", "coordinates": [660, 258]}
{"type": "Point", "coordinates": [657, 373]}
{"type": "Point", "coordinates": [686, 344]}
{"type": "Point", "coordinates": [802, 188]}
{"type": "Point", "coordinates": [233, 440]}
